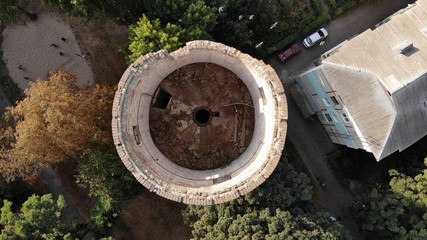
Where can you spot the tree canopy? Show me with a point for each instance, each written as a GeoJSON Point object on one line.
{"type": "Point", "coordinates": [149, 36]}
{"type": "Point", "coordinates": [397, 212]}
{"type": "Point", "coordinates": [190, 21]}
{"type": "Point", "coordinates": [55, 122]}
{"type": "Point", "coordinates": [11, 10]}
{"type": "Point", "coordinates": [198, 21]}
{"type": "Point", "coordinates": [38, 218]}
{"type": "Point", "coordinates": [280, 208]}
{"type": "Point", "coordinates": [257, 27]}
{"type": "Point", "coordinates": [124, 12]}
{"type": "Point", "coordinates": [102, 172]}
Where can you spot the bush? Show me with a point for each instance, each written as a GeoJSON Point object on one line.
{"type": "Point", "coordinates": [318, 7]}
{"type": "Point", "coordinates": [10, 88]}
{"type": "Point", "coordinates": [315, 17]}
{"type": "Point", "coordinates": [283, 44]}
{"type": "Point", "coordinates": [322, 19]}
{"type": "Point", "coordinates": [341, 6]}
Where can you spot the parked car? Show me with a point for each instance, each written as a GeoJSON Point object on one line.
{"type": "Point", "coordinates": [315, 38]}
{"type": "Point", "coordinates": [294, 49]}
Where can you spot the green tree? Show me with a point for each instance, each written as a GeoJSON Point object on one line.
{"type": "Point", "coordinates": [285, 188]}
{"type": "Point", "coordinates": [198, 21]}
{"type": "Point", "coordinates": [126, 12]}
{"type": "Point", "coordinates": [149, 36]}
{"type": "Point", "coordinates": [239, 220]}
{"type": "Point", "coordinates": [280, 208]}
{"type": "Point", "coordinates": [55, 122]}
{"type": "Point", "coordinates": [102, 172]}
{"type": "Point", "coordinates": [234, 27]}
{"type": "Point", "coordinates": [16, 191]}
{"type": "Point", "coordinates": [398, 212]}
{"type": "Point", "coordinates": [279, 224]}
{"type": "Point", "coordinates": [12, 10]}
{"type": "Point", "coordinates": [38, 218]}
{"type": "Point", "coordinates": [169, 10]}
{"type": "Point", "coordinates": [86, 8]}
{"type": "Point", "coordinates": [412, 189]}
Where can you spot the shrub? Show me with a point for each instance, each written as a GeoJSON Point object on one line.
{"type": "Point", "coordinates": [10, 88]}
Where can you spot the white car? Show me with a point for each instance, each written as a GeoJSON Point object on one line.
{"type": "Point", "coordinates": [315, 38]}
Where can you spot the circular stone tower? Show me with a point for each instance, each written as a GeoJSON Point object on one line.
{"type": "Point", "coordinates": [202, 125]}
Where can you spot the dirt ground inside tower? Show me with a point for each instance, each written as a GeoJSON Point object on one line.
{"type": "Point", "coordinates": [210, 142]}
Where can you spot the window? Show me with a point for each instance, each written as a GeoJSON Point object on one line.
{"type": "Point", "coordinates": [328, 117]}
{"type": "Point", "coordinates": [335, 117]}
{"type": "Point", "coordinates": [326, 101]}
{"type": "Point", "coordinates": [345, 118]}
{"type": "Point", "coordinates": [334, 100]}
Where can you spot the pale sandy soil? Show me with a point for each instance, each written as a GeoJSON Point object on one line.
{"type": "Point", "coordinates": [29, 46]}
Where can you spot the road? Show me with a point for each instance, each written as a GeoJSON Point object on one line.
{"type": "Point", "coordinates": [309, 137]}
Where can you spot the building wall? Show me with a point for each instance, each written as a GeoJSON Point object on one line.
{"type": "Point", "coordinates": [331, 111]}
{"type": "Point", "coordinates": [382, 85]}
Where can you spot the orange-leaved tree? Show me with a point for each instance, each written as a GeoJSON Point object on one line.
{"type": "Point", "coordinates": [55, 122]}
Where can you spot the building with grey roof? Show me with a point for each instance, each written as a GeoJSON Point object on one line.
{"type": "Point", "coordinates": [371, 91]}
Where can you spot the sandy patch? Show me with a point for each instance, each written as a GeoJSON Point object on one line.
{"type": "Point", "coordinates": [29, 54]}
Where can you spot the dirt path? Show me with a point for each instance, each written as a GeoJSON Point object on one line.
{"type": "Point", "coordinates": [54, 186]}
{"type": "Point", "coordinates": [309, 137]}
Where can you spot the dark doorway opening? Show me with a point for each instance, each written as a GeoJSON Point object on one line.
{"type": "Point", "coordinates": [161, 99]}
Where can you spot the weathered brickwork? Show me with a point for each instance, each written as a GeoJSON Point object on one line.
{"type": "Point", "coordinates": [152, 169]}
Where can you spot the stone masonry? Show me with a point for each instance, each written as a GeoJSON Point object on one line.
{"type": "Point", "coordinates": [131, 130]}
